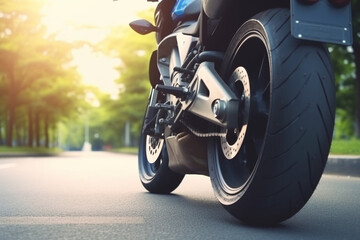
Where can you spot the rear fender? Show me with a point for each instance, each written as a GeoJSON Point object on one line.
{"type": "Point", "coordinates": [215, 8]}
{"type": "Point", "coordinates": [321, 21]}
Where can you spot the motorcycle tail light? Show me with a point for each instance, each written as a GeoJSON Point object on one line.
{"type": "Point", "coordinates": [340, 3]}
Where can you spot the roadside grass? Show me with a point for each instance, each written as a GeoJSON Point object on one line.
{"type": "Point", "coordinates": [345, 147]}
{"type": "Point", "coordinates": [29, 150]}
{"type": "Point", "coordinates": [338, 147]}
{"type": "Point", "coordinates": [128, 150]}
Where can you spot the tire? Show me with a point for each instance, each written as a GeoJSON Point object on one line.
{"type": "Point", "coordinates": [287, 121]}
{"type": "Point", "coordinates": [154, 172]}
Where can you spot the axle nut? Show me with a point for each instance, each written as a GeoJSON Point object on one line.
{"type": "Point", "coordinates": [219, 109]}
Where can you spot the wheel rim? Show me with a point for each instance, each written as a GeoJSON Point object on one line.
{"type": "Point", "coordinates": [235, 169]}
{"type": "Point", "coordinates": [151, 154]}
{"type": "Point", "coordinates": [153, 148]}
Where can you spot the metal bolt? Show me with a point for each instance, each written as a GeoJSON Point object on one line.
{"type": "Point", "coordinates": [219, 109]}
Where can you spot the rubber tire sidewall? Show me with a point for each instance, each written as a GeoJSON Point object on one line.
{"type": "Point", "coordinates": [267, 198]}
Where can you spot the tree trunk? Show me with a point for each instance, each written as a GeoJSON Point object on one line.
{"type": "Point", "coordinates": [1, 133]}
{"type": "Point", "coordinates": [37, 129]}
{"type": "Point", "coordinates": [46, 131]}
{"type": "Point", "coordinates": [55, 136]}
{"type": "Point", "coordinates": [31, 127]}
{"type": "Point", "coordinates": [11, 111]}
{"type": "Point", "coordinates": [356, 47]}
{"type": "Point", "coordinates": [10, 126]}
{"type": "Point", "coordinates": [18, 135]}
{"type": "Point", "coordinates": [12, 93]}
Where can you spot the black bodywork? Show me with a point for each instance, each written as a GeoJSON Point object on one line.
{"type": "Point", "coordinates": [309, 21]}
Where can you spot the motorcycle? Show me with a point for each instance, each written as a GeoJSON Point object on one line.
{"type": "Point", "coordinates": [242, 92]}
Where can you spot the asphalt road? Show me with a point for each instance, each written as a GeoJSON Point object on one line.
{"type": "Point", "coordinates": [98, 196]}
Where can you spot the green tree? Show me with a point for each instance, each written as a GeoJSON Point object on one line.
{"type": "Point", "coordinates": [37, 88]}
{"type": "Point", "coordinates": [347, 74]}
{"type": "Point", "coordinates": [134, 52]}
{"type": "Point", "coordinates": [18, 22]}
{"type": "Point", "coordinates": [356, 47]}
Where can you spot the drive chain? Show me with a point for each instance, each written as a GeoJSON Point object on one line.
{"type": "Point", "coordinates": [203, 135]}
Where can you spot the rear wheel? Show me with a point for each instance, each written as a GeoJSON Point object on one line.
{"type": "Point", "coordinates": [265, 170]}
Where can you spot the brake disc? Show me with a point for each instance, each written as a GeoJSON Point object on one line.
{"type": "Point", "coordinates": [153, 148]}
{"type": "Point", "coordinates": [232, 141]}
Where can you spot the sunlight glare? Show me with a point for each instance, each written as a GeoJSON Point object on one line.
{"type": "Point", "coordinates": [98, 69]}
{"type": "Point", "coordinates": [91, 21]}
{"type": "Point", "coordinates": [67, 17]}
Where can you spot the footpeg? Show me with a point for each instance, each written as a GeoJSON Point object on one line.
{"type": "Point", "coordinates": [164, 106]}
{"type": "Point", "coordinates": [179, 92]}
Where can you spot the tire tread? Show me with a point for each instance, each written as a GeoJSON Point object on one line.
{"type": "Point", "coordinates": [299, 130]}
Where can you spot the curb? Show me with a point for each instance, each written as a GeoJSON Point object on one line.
{"type": "Point", "coordinates": [344, 165]}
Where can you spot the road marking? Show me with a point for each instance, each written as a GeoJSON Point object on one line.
{"type": "Point", "coordinates": [7, 165]}
{"type": "Point", "coordinates": [69, 220]}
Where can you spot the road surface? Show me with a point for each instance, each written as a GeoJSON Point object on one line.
{"type": "Point", "coordinates": [97, 195]}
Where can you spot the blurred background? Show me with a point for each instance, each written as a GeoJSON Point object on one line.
{"type": "Point", "coordinates": [74, 76]}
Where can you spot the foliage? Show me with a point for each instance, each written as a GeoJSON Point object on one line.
{"type": "Point", "coordinates": [344, 70]}
{"type": "Point", "coordinates": [37, 88]}
{"type": "Point", "coordinates": [134, 52]}
{"type": "Point", "coordinates": [345, 147]}
{"type": "Point", "coordinates": [346, 61]}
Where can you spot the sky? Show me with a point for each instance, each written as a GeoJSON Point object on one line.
{"type": "Point", "coordinates": [91, 20]}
